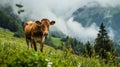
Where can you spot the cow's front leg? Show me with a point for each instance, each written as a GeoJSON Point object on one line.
{"type": "Point", "coordinates": [41, 47]}
{"type": "Point", "coordinates": [31, 44]}
{"type": "Point", "coordinates": [42, 43]}
{"type": "Point", "coordinates": [34, 44]}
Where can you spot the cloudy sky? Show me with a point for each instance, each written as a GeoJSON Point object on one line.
{"type": "Point", "coordinates": [61, 11]}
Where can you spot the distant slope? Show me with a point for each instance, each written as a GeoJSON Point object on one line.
{"type": "Point", "coordinates": [8, 19]}
{"type": "Point", "coordinates": [11, 21]}
{"type": "Point", "coordinates": [110, 16]}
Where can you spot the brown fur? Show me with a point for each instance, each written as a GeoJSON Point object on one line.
{"type": "Point", "coordinates": [37, 30]}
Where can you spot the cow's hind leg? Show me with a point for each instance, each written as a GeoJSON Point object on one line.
{"type": "Point", "coordinates": [27, 41]}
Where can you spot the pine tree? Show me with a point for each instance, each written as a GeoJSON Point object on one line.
{"type": "Point", "coordinates": [68, 48]}
{"type": "Point", "coordinates": [102, 43]}
{"type": "Point", "coordinates": [88, 49]}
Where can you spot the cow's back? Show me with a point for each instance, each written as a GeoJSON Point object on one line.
{"type": "Point", "coordinates": [27, 28]}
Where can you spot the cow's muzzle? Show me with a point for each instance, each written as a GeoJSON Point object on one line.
{"type": "Point", "coordinates": [45, 33]}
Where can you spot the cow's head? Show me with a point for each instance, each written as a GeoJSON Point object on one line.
{"type": "Point", "coordinates": [44, 25]}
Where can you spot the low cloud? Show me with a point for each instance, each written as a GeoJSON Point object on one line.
{"type": "Point", "coordinates": [83, 33]}
{"type": "Point", "coordinates": [61, 11]}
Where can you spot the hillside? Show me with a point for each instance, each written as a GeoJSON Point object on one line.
{"type": "Point", "coordinates": [14, 53]}
{"type": "Point", "coordinates": [11, 21]}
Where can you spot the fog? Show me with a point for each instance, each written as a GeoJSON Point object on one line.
{"type": "Point", "coordinates": [61, 11]}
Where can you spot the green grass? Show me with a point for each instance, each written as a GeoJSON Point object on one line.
{"type": "Point", "coordinates": [14, 53]}
{"type": "Point", "coordinates": [57, 41]}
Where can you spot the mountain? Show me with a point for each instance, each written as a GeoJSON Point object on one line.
{"type": "Point", "coordinates": [98, 14]}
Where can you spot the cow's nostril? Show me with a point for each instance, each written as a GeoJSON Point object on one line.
{"type": "Point", "coordinates": [46, 33]}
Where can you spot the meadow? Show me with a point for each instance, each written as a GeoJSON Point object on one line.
{"type": "Point", "coordinates": [14, 53]}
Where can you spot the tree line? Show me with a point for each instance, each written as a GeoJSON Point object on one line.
{"type": "Point", "coordinates": [11, 21]}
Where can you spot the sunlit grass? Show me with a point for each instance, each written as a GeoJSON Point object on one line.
{"type": "Point", "coordinates": [57, 41]}
{"type": "Point", "coordinates": [14, 53]}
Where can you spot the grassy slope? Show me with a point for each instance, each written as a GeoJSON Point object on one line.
{"type": "Point", "coordinates": [57, 41]}
{"type": "Point", "coordinates": [14, 52]}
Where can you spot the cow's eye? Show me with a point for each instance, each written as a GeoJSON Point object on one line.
{"type": "Point", "coordinates": [43, 27]}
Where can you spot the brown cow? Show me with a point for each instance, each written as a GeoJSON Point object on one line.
{"type": "Point", "coordinates": [37, 30]}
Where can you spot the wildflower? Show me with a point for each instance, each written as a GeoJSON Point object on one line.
{"type": "Point", "coordinates": [79, 65]}
{"type": "Point", "coordinates": [49, 64]}
{"type": "Point", "coordinates": [51, 53]}
{"type": "Point", "coordinates": [47, 60]}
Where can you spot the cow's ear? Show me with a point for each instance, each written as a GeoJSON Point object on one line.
{"type": "Point", "coordinates": [52, 22]}
{"type": "Point", "coordinates": [38, 22]}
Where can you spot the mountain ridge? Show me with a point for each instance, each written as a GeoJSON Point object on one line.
{"type": "Point", "coordinates": [98, 14]}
